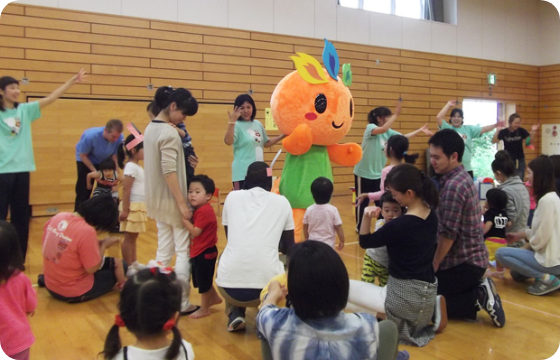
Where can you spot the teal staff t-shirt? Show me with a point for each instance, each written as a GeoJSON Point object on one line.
{"type": "Point", "coordinates": [249, 138]}
{"type": "Point", "coordinates": [468, 133]}
{"type": "Point", "coordinates": [373, 155]}
{"type": "Point", "coordinates": [16, 144]}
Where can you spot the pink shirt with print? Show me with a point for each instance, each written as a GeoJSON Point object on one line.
{"type": "Point", "coordinates": [17, 298]}
{"type": "Point", "coordinates": [70, 247]}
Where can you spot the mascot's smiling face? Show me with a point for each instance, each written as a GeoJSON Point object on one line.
{"type": "Point", "coordinates": [315, 96]}
{"type": "Point", "coordinates": [327, 108]}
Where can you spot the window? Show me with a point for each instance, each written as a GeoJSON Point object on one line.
{"type": "Point", "coordinates": [415, 9]}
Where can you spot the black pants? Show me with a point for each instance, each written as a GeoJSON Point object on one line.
{"type": "Point", "coordinates": [459, 287]}
{"type": "Point", "coordinates": [82, 192]}
{"type": "Point", "coordinates": [363, 185]}
{"type": "Point", "coordinates": [14, 195]}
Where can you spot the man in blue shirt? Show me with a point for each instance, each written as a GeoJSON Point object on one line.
{"type": "Point", "coordinates": [95, 145]}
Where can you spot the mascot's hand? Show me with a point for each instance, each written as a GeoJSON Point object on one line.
{"type": "Point", "coordinates": [345, 154]}
{"type": "Point", "coordinates": [299, 141]}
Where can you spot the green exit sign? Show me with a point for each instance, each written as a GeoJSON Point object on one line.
{"type": "Point", "coordinates": [491, 79]}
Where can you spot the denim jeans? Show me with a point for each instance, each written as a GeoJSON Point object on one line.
{"type": "Point", "coordinates": [523, 261]}
{"type": "Point", "coordinates": [520, 168]}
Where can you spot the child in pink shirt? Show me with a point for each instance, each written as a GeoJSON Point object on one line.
{"type": "Point", "coordinates": [17, 298]}
{"type": "Point", "coordinates": [322, 221]}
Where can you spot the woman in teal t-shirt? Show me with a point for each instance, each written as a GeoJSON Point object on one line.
{"type": "Point", "coordinates": [367, 173]}
{"type": "Point", "coordinates": [248, 138]}
{"type": "Point", "coordinates": [467, 132]}
{"type": "Point", "coordinates": [16, 151]}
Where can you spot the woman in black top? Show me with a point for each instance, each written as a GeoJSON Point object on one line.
{"type": "Point", "coordinates": [409, 299]}
{"type": "Point", "coordinates": [513, 137]}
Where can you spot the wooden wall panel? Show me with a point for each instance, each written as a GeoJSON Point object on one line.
{"type": "Point", "coordinates": [123, 55]}
{"type": "Point", "coordinates": [549, 94]}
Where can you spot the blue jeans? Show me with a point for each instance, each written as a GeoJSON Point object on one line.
{"type": "Point", "coordinates": [523, 261]}
{"type": "Point", "coordinates": [521, 168]}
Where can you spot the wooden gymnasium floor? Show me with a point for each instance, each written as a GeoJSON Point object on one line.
{"type": "Point", "coordinates": [77, 331]}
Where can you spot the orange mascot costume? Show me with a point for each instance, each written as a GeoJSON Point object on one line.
{"type": "Point", "coordinates": [315, 108]}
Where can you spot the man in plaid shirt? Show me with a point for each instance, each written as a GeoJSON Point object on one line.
{"type": "Point", "coordinates": [461, 257]}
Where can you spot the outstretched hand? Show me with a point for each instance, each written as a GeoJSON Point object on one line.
{"type": "Point", "coordinates": [361, 198]}
{"type": "Point", "coordinates": [452, 102]}
{"type": "Point", "coordinates": [426, 130]}
{"type": "Point", "coordinates": [235, 114]}
{"type": "Point", "coordinates": [535, 127]}
{"type": "Point", "coordinates": [79, 77]}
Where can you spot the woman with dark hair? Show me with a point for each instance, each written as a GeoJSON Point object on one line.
{"type": "Point", "coordinates": [518, 196]}
{"type": "Point", "coordinates": [257, 222]}
{"type": "Point", "coordinates": [556, 164]}
{"type": "Point", "coordinates": [16, 150]}
{"type": "Point", "coordinates": [396, 150]}
{"type": "Point", "coordinates": [166, 182]}
{"type": "Point", "coordinates": [149, 309]}
{"type": "Point", "coordinates": [467, 132]}
{"type": "Point", "coordinates": [410, 297]}
{"type": "Point", "coordinates": [541, 258]}
{"type": "Point", "coordinates": [367, 173]}
{"type": "Point", "coordinates": [513, 137]}
{"type": "Point", "coordinates": [74, 267]}
{"type": "Point", "coordinates": [315, 327]}
{"type": "Point", "coordinates": [248, 138]}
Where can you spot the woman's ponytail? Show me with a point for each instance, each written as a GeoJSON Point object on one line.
{"type": "Point", "coordinates": [429, 192]}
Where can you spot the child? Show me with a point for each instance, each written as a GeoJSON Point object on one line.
{"type": "Point", "coordinates": [316, 327]}
{"type": "Point", "coordinates": [191, 160]}
{"type": "Point", "coordinates": [495, 223]}
{"type": "Point", "coordinates": [107, 178]}
{"type": "Point", "coordinates": [322, 221]}
{"type": "Point", "coordinates": [132, 209]}
{"type": "Point", "coordinates": [204, 233]}
{"type": "Point", "coordinates": [17, 298]}
{"type": "Point", "coordinates": [149, 308]}
{"type": "Point", "coordinates": [396, 150]}
{"type": "Point", "coordinates": [376, 260]}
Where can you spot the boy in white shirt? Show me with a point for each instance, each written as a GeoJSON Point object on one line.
{"type": "Point", "coordinates": [321, 221]}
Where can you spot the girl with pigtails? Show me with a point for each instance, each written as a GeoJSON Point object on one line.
{"type": "Point", "coordinates": [149, 308]}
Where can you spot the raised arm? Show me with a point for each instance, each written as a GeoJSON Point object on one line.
{"type": "Point", "coordinates": [441, 115]}
{"type": "Point", "coordinates": [228, 137]}
{"type": "Point", "coordinates": [424, 129]}
{"type": "Point", "coordinates": [487, 128]}
{"type": "Point", "coordinates": [385, 127]}
{"type": "Point", "coordinates": [79, 77]}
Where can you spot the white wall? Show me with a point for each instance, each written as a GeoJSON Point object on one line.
{"type": "Point", "coordinates": [550, 34]}
{"type": "Point", "coordinates": [519, 31]}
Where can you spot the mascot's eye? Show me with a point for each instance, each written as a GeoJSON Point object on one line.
{"type": "Point", "coordinates": [321, 103]}
{"type": "Point", "coordinates": [351, 107]}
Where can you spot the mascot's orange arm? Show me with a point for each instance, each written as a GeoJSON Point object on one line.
{"type": "Point", "coordinates": [345, 154]}
{"type": "Point", "coordinates": [299, 141]}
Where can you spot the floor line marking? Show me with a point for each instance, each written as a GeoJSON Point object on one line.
{"type": "Point", "coordinates": [530, 308]}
